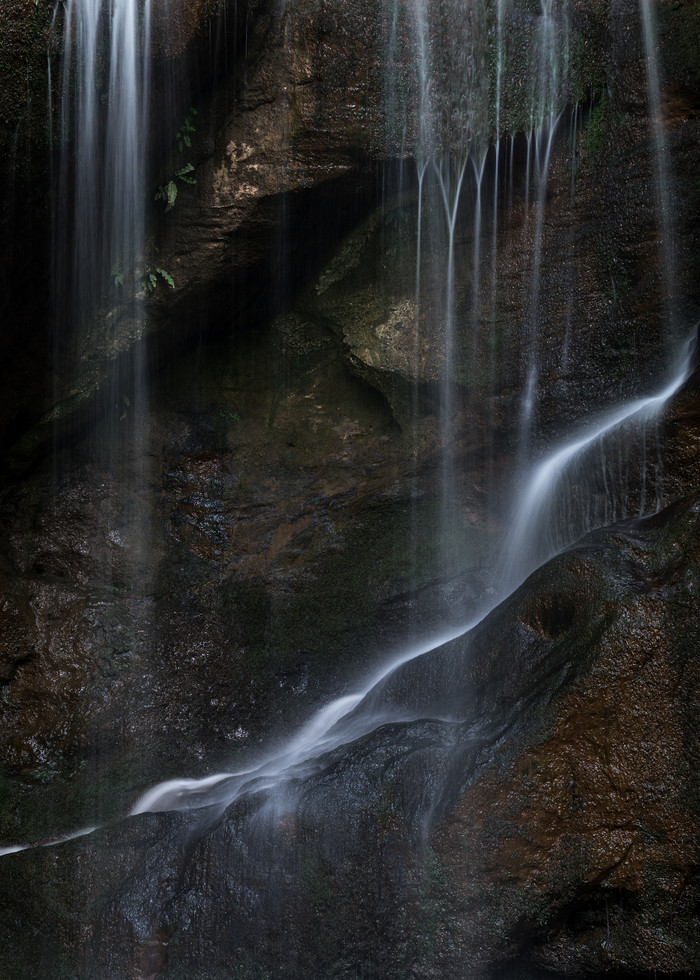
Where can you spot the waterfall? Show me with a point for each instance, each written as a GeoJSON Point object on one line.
{"type": "Point", "coordinates": [450, 176]}
{"type": "Point", "coordinates": [557, 505]}
{"type": "Point", "coordinates": [101, 272]}
{"type": "Point", "coordinates": [539, 529]}
{"type": "Point", "coordinates": [100, 232]}
{"type": "Point", "coordinates": [585, 483]}
{"type": "Point", "coordinates": [460, 124]}
{"type": "Point", "coordinates": [540, 144]}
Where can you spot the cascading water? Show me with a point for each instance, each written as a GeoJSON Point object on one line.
{"type": "Point", "coordinates": [601, 475]}
{"type": "Point", "coordinates": [588, 482]}
{"type": "Point", "coordinates": [549, 78]}
{"type": "Point", "coordinates": [568, 493]}
{"type": "Point", "coordinates": [100, 229]}
{"type": "Point", "coordinates": [102, 277]}
{"type": "Point", "coordinates": [540, 149]}
{"type": "Point", "coordinates": [102, 273]}
{"type": "Point", "coordinates": [463, 126]}
{"type": "Point", "coordinates": [460, 105]}
{"type": "Point", "coordinates": [662, 174]}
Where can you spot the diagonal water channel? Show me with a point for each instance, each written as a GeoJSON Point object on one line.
{"type": "Point", "coordinates": [537, 530]}
{"type": "Point", "coordinates": [526, 547]}
{"type": "Point", "coordinates": [351, 717]}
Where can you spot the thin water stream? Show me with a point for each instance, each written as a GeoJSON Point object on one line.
{"type": "Point", "coordinates": [662, 169]}
{"type": "Point", "coordinates": [107, 173]}
{"type": "Point", "coordinates": [529, 543]}
{"type": "Point", "coordinates": [527, 546]}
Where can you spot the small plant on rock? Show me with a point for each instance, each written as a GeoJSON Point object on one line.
{"type": "Point", "coordinates": [149, 280]}
{"type": "Point", "coordinates": [167, 191]}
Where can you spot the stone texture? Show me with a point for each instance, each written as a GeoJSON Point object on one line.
{"type": "Point", "coordinates": [213, 567]}
{"type": "Point", "coordinates": [549, 818]}
{"type": "Point", "coordinates": [189, 575]}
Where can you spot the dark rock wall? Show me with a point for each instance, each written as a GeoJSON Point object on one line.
{"type": "Point", "coordinates": [553, 820]}
{"type": "Point", "coordinates": [183, 582]}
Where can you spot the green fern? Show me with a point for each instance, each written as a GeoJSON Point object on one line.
{"type": "Point", "coordinates": [182, 174]}
{"type": "Point", "coordinates": [183, 137]}
{"type": "Point", "coordinates": [167, 191]}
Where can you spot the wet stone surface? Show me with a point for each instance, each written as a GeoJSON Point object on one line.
{"type": "Point", "coordinates": [550, 820]}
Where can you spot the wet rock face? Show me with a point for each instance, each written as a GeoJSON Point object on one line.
{"type": "Point", "coordinates": [302, 104]}
{"type": "Point", "coordinates": [681, 440]}
{"type": "Point", "coordinates": [177, 587]}
{"type": "Point", "coordinates": [549, 818]}
{"type": "Point", "coordinates": [577, 286]}
{"type": "Point", "coordinates": [296, 129]}
{"type": "Point", "coordinates": [214, 567]}
{"type": "Point", "coordinates": [554, 818]}
{"type": "Point", "coordinates": [588, 833]}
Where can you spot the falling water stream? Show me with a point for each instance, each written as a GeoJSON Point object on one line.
{"type": "Point", "coordinates": [99, 233]}
{"type": "Point", "coordinates": [98, 248]}
{"type": "Point", "coordinates": [101, 237]}
{"type": "Point", "coordinates": [662, 172]}
{"type": "Point", "coordinates": [99, 245]}
{"type": "Point", "coordinates": [532, 540]}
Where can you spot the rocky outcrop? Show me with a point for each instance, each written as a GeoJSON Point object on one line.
{"type": "Point", "coordinates": [186, 575]}
{"type": "Point", "coordinates": [540, 808]}
{"type": "Point", "coordinates": [569, 271]}
{"type": "Point", "coordinates": [303, 107]}
{"type": "Point", "coordinates": [315, 98]}
{"type": "Point", "coordinates": [214, 567]}
{"type": "Point", "coordinates": [593, 854]}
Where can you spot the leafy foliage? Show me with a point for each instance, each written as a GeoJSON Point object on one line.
{"type": "Point", "coordinates": [167, 191]}
{"type": "Point", "coordinates": [149, 280]}
{"type": "Point", "coordinates": [183, 134]}
{"type": "Point", "coordinates": [168, 278]}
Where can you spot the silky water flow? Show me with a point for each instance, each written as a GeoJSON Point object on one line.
{"type": "Point", "coordinates": [464, 188]}
{"type": "Point", "coordinates": [583, 483]}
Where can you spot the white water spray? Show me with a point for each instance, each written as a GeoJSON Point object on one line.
{"type": "Point", "coordinates": [554, 508]}
{"type": "Point", "coordinates": [338, 723]}
{"type": "Point", "coordinates": [334, 725]}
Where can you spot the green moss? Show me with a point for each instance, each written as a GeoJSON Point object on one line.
{"type": "Point", "coordinates": [586, 71]}
{"type": "Point", "coordinates": [597, 127]}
